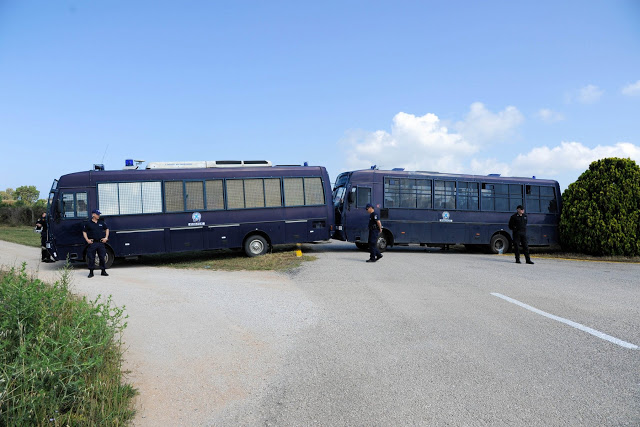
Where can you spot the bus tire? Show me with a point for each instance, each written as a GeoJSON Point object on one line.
{"type": "Point", "coordinates": [499, 244]}
{"type": "Point", "coordinates": [384, 241]}
{"type": "Point", "coordinates": [108, 259]}
{"type": "Point", "coordinates": [255, 245]}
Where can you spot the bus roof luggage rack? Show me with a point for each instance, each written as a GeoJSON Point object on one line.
{"type": "Point", "coordinates": [208, 164]}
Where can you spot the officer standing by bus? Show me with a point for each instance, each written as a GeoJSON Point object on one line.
{"type": "Point", "coordinates": [518, 224]}
{"type": "Point", "coordinates": [41, 227]}
{"type": "Point", "coordinates": [375, 228]}
{"type": "Point", "coordinates": [96, 233]}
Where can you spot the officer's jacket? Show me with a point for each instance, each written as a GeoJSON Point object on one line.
{"type": "Point", "coordinates": [518, 223]}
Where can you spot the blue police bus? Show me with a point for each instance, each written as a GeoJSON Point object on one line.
{"type": "Point", "coordinates": [439, 209]}
{"type": "Point", "coordinates": [191, 206]}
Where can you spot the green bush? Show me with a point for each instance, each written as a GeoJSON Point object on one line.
{"type": "Point", "coordinates": [601, 210]}
{"type": "Point", "coordinates": [60, 356]}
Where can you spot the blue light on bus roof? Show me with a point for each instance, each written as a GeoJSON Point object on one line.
{"type": "Point", "coordinates": [397, 169]}
{"type": "Point", "coordinates": [128, 162]}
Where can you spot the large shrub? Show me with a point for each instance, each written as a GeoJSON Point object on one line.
{"type": "Point", "coordinates": [601, 210]}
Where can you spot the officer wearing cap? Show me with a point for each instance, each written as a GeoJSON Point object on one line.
{"type": "Point", "coordinates": [518, 224]}
{"type": "Point", "coordinates": [96, 234]}
{"type": "Point", "coordinates": [375, 228]}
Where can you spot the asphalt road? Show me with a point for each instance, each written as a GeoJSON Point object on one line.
{"type": "Point", "coordinates": [422, 337]}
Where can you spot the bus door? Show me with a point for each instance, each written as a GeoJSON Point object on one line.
{"type": "Point", "coordinates": [70, 211]}
{"type": "Point", "coordinates": [356, 219]}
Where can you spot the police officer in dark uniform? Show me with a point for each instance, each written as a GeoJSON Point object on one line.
{"type": "Point", "coordinates": [518, 224]}
{"type": "Point", "coordinates": [96, 233]}
{"type": "Point", "coordinates": [375, 228]}
{"type": "Point", "coordinates": [41, 227]}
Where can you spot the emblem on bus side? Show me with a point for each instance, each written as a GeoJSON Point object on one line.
{"type": "Point", "coordinates": [446, 217]}
{"type": "Point", "coordinates": [196, 217]}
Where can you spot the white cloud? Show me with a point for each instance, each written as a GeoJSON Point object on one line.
{"type": "Point", "coordinates": [549, 116]}
{"type": "Point", "coordinates": [590, 94]}
{"type": "Point", "coordinates": [425, 143]}
{"type": "Point", "coordinates": [632, 89]}
{"type": "Point", "coordinates": [415, 142]}
{"type": "Point", "coordinates": [488, 166]}
{"type": "Point", "coordinates": [481, 125]}
{"type": "Point", "coordinates": [570, 156]}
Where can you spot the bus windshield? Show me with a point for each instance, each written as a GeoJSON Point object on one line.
{"type": "Point", "coordinates": [338, 196]}
{"type": "Point", "coordinates": [339, 189]}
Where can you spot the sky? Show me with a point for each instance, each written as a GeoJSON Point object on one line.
{"type": "Point", "coordinates": [531, 88]}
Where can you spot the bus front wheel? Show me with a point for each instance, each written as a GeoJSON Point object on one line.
{"type": "Point", "coordinates": [255, 245]}
{"type": "Point", "coordinates": [499, 244]}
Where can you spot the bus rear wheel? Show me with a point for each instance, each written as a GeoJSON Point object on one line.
{"type": "Point", "coordinates": [108, 259]}
{"type": "Point", "coordinates": [499, 244]}
{"type": "Point", "coordinates": [255, 245]}
{"type": "Point", "coordinates": [383, 241]}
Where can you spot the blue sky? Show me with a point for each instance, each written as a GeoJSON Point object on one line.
{"type": "Point", "coordinates": [519, 88]}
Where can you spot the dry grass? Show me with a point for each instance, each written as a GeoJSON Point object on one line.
{"type": "Point", "coordinates": [282, 258]}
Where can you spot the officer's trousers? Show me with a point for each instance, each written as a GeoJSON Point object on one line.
{"type": "Point", "coordinates": [374, 252]}
{"type": "Point", "coordinates": [518, 239]}
{"type": "Point", "coordinates": [91, 255]}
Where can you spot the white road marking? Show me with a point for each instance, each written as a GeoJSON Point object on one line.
{"type": "Point", "coordinates": [569, 322]}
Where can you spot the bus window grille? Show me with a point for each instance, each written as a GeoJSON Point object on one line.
{"type": "Point", "coordinates": [174, 196]}
{"type": "Point", "coordinates": [215, 194]}
{"type": "Point", "coordinates": [293, 192]}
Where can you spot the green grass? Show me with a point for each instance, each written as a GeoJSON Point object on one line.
{"type": "Point", "coordinates": [23, 235]}
{"type": "Point", "coordinates": [60, 356]}
{"type": "Point", "coordinates": [282, 258]}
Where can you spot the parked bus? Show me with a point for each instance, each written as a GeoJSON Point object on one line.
{"type": "Point", "coordinates": [191, 206]}
{"type": "Point", "coordinates": [438, 209]}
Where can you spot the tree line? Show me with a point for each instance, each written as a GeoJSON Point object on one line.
{"type": "Point", "coordinates": [600, 210]}
{"type": "Point", "coordinates": [21, 206]}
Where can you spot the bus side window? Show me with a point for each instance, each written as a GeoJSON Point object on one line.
{"type": "Point", "coordinates": [364, 196]}
{"type": "Point", "coordinates": [68, 205]}
{"type": "Point", "coordinates": [352, 195]}
{"type": "Point", "coordinates": [81, 200]}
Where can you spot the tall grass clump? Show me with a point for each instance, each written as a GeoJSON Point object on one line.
{"type": "Point", "coordinates": [60, 356]}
